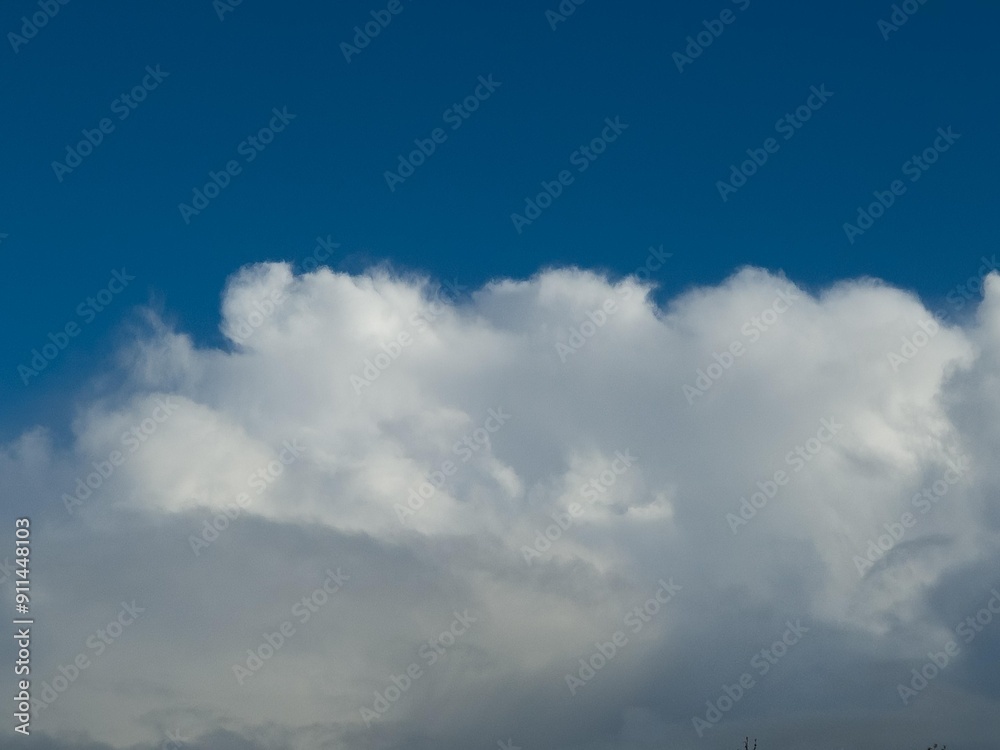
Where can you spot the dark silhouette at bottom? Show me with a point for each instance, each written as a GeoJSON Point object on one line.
{"type": "Point", "coordinates": [746, 745]}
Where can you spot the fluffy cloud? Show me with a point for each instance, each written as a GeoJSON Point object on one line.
{"type": "Point", "coordinates": [506, 480]}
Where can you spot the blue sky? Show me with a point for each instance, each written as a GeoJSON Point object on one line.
{"type": "Point", "coordinates": [218, 428]}
{"type": "Point", "coordinates": [324, 174]}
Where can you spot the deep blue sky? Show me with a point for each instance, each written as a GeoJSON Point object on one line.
{"type": "Point", "coordinates": [324, 174]}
